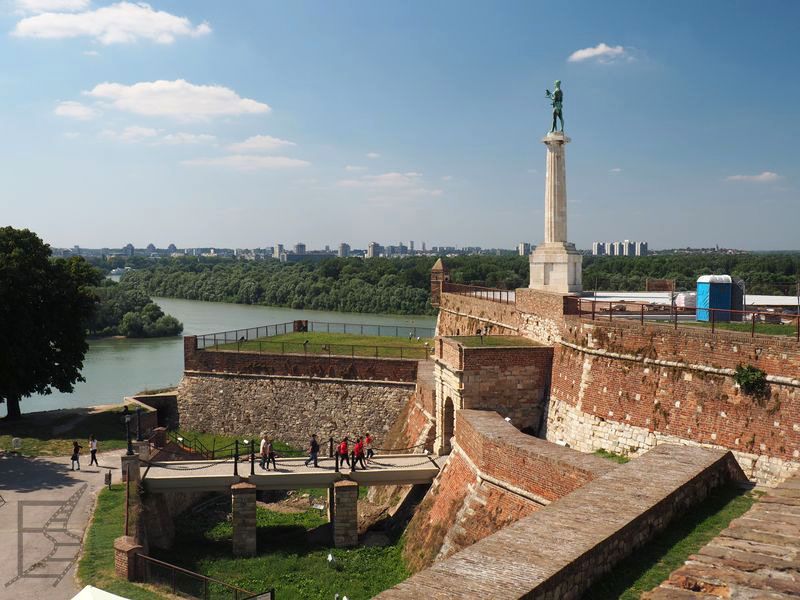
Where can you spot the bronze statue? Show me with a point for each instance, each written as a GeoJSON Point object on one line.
{"type": "Point", "coordinates": [556, 97]}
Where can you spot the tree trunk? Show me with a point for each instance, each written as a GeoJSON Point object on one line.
{"type": "Point", "coordinates": [12, 405]}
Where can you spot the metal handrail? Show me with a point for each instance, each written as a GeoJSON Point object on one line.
{"type": "Point", "coordinates": [204, 578]}
{"type": "Point", "coordinates": [350, 350]}
{"type": "Point", "coordinates": [485, 293]}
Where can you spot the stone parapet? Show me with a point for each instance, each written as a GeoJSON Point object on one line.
{"type": "Point", "coordinates": [130, 467]}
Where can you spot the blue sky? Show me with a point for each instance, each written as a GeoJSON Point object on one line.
{"type": "Point", "coordinates": [245, 123]}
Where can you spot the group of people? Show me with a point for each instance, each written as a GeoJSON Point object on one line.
{"type": "Point", "coordinates": [362, 451]}
{"type": "Point", "coordinates": [76, 454]}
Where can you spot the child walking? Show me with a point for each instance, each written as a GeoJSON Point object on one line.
{"type": "Point", "coordinates": [74, 460]}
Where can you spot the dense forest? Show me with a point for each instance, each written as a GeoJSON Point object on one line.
{"type": "Point", "coordinates": [402, 286]}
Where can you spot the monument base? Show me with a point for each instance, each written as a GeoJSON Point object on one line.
{"type": "Point", "coordinates": [556, 267]}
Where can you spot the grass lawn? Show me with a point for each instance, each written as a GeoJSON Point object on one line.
{"type": "Point", "coordinates": [342, 344]}
{"type": "Point", "coordinates": [288, 560]}
{"type": "Point", "coordinates": [762, 328]}
{"type": "Point", "coordinates": [618, 458]}
{"type": "Point", "coordinates": [475, 341]}
{"type": "Point", "coordinates": [652, 564]}
{"type": "Point", "coordinates": [51, 433]}
{"type": "Point", "coordinates": [96, 566]}
{"type": "Point", "coordinates": [224, 443]}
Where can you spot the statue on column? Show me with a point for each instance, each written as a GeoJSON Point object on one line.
{"type": "Point", "coordinates": [556, 97]}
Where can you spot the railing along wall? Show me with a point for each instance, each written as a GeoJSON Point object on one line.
{"type": "Point", "coordinates": [476, 291]}
{"type": "Point", "coordinates": [749, 321]}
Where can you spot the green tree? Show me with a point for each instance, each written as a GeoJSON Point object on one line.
{"type": "Point", "coordinates": [44, 307]}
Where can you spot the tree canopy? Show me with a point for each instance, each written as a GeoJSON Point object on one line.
{"type": "Point", "coordinates": [44, 307]}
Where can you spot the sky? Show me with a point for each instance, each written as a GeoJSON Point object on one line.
{"type": "Point", "coordinates": [249, 123]}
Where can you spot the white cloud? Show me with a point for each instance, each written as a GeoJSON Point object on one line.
{"type": "Point", "coordinates": [131, 134]}
{"type": "Point", "coordinates": [40, 6]}
{"type": "Point", "coordinates": [248, 162]}
{"type": "Point", "coordinates": [120, 23]}
{"type": "Point", "coordinates": [408, 184]}
{"type": "Point", "coordinates": [260, 143]}
{"type": "Point", "coordinates": [75, 110]}
{"type": "Point", "coordinates": [372, 155]}
{"type": "Point", "coordinates": [601, 53]}
{"type": "Point", "coordinates": [615, 170]}
{"type": "Point", "coordinates": [354, 168]}
{"type": "Point", "coordinates": [188, 138]}
{"type": "Point", "coordinates": [765, 177]}
{"type": "Point", "coordinates": [447, 178]}
{"type": "Point", "coordinates": [179, 99]}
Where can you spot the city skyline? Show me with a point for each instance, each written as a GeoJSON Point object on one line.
{"type": "Point", "coordinates": [196, 123]}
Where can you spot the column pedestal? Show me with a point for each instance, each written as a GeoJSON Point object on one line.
{"type": "Point", "coordinates": [556, 267]}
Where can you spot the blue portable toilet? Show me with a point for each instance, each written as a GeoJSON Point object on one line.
{"type": "Point", "coordinates": [714, 291]}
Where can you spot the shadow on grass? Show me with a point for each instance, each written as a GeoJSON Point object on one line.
{"type": "Point", "coordinates": [652, 563]}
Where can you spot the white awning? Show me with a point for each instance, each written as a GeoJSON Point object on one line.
{"type": "Point", "coordinates": [93, 593]}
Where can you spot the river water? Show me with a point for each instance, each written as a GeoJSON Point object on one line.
{"type": "Point", "coordinates": [115, 368]}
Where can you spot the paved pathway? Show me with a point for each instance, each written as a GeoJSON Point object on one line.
{"type": "Point", "coordinates": [756, 557]}
{"type": "Point", "coordinates": [56, 505]}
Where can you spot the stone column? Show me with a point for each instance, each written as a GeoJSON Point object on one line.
{"type": "Point", "coordinates": [126, 552]}
{"type": "Point", "coordinates": [130, 464]}
{"type": "Point", "coordinates": [243, 503]}
{"type": "Point", "coordinates": [556, 264]}
{"type": "Point", "coordinates": [345, 514]}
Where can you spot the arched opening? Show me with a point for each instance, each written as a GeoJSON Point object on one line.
{"type": "Point", "coordinates": [448, 422]}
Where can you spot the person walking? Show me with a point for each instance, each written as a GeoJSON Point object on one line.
{"type": "Point", "coordinates": [262, 450]}
{"type": "Point", "coordinates": [75, 460]}
{"type": "Point", "coordinates": [358, 454]}
{"type": "Point", "coordinates": [313, 450]}
{"type": "Point", "coordinates": [368, 445]}
{"type": "Point", "coordinates": [271, 455]}
{"type": "Point", "coordinates": [93, 451]}
{"type": "Point", "coordinates": [344, 457]}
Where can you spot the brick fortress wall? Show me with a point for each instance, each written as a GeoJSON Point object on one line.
{"type": "Point", "coordinates": [497, 472]}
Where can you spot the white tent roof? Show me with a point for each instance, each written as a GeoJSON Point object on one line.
{"type": "Point", "coordinates": [714, 279]}
{"type": "Point", "coordinates": [93, 593]}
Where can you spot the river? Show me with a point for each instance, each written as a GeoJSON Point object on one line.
{"type": "Point", "coordinates": [115, 368]}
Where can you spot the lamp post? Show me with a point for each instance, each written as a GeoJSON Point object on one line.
{"type": "Point", "coordinates": [138, 423]}
{"type": "Point", "coordinates": [126, 417]}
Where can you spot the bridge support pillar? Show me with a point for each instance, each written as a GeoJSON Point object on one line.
{"type": "Point", "coordinates": [345, 514]}
{"type": "Point", "coordinates": [243, 503]}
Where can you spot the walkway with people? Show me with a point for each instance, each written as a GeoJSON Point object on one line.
{"type": "Point", "coordinates": [292, 473]}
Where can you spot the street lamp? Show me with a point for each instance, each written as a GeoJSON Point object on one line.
{"type": "Point", "coordinates": [126, 417]}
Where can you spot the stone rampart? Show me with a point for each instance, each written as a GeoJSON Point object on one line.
{"type": "Point", "coordinates": [465, 315]}
{"type": "Point", "coordinates": [496, 472]}
{"type": "Point", "coordinates": [626, 388]}
{"type": "Point", "coordinates": [297, 365]}
{"type": "Point", "coordinates": [289, 409]}
{"type": "Point", "coordinates": [557, 552]}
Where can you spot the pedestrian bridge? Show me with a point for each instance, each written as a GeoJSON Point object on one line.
{"type": "Point", "coordinates": [220, 475]}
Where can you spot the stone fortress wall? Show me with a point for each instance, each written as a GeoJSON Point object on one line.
{"type": "Point", "coordinates": [625, 388]}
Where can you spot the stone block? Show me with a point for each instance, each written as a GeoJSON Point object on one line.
{"type": "Point", "coordinates": [345, 514]}
{"type": "Point", "coordinates": [243, 509]}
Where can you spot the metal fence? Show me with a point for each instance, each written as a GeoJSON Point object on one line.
{"type": "Point", "coordinates": [265, 331]}
{"type": "Point", "coordinates": [493, 294]}
{"type": "Point", "coordinates": [187, 584]}
{"type": "Point", "coordinates": [748, 321]}
{"type": "Point", "coordinates": [329, 350]}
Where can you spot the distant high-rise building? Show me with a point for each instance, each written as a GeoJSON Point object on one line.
{"type": "Point", "coordinates": [374, 250]}
{"type": "Point", "coordinates": [411, 246]}
{"type": "Point", "coordinates": [129, 250]}
{"type": "Point", "coordinates": [327, 248]}
{"type": "Point", "coordinates": [423, 247]}
{"type": "Point", "coordinates": [151, 247]}
{"type": "Point", "coordinates": [524, 248]}
{"type": "Point", "coordinates": [598, 248]}
{"type": "Point", "coordinates": [172, 248]}
{"type": "Point", "coordinates": [641, 248]}
{"type": "Point", "coordinates": [299, 248]}
{"type": "Point", "coordinates": [344, 250]}
{"type": "Point", "coordinates": [277, 250]}
{"type": "Point", "coordinates": [623, 248]}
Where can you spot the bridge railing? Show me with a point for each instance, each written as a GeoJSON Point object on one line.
{"type": "Point", "coordinates": [182, 582]}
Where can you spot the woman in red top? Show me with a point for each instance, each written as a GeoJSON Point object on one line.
{"type": "Point", "coordinates": [343, 456]}
{"type": "Point", "coordinates": [358, 454]}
